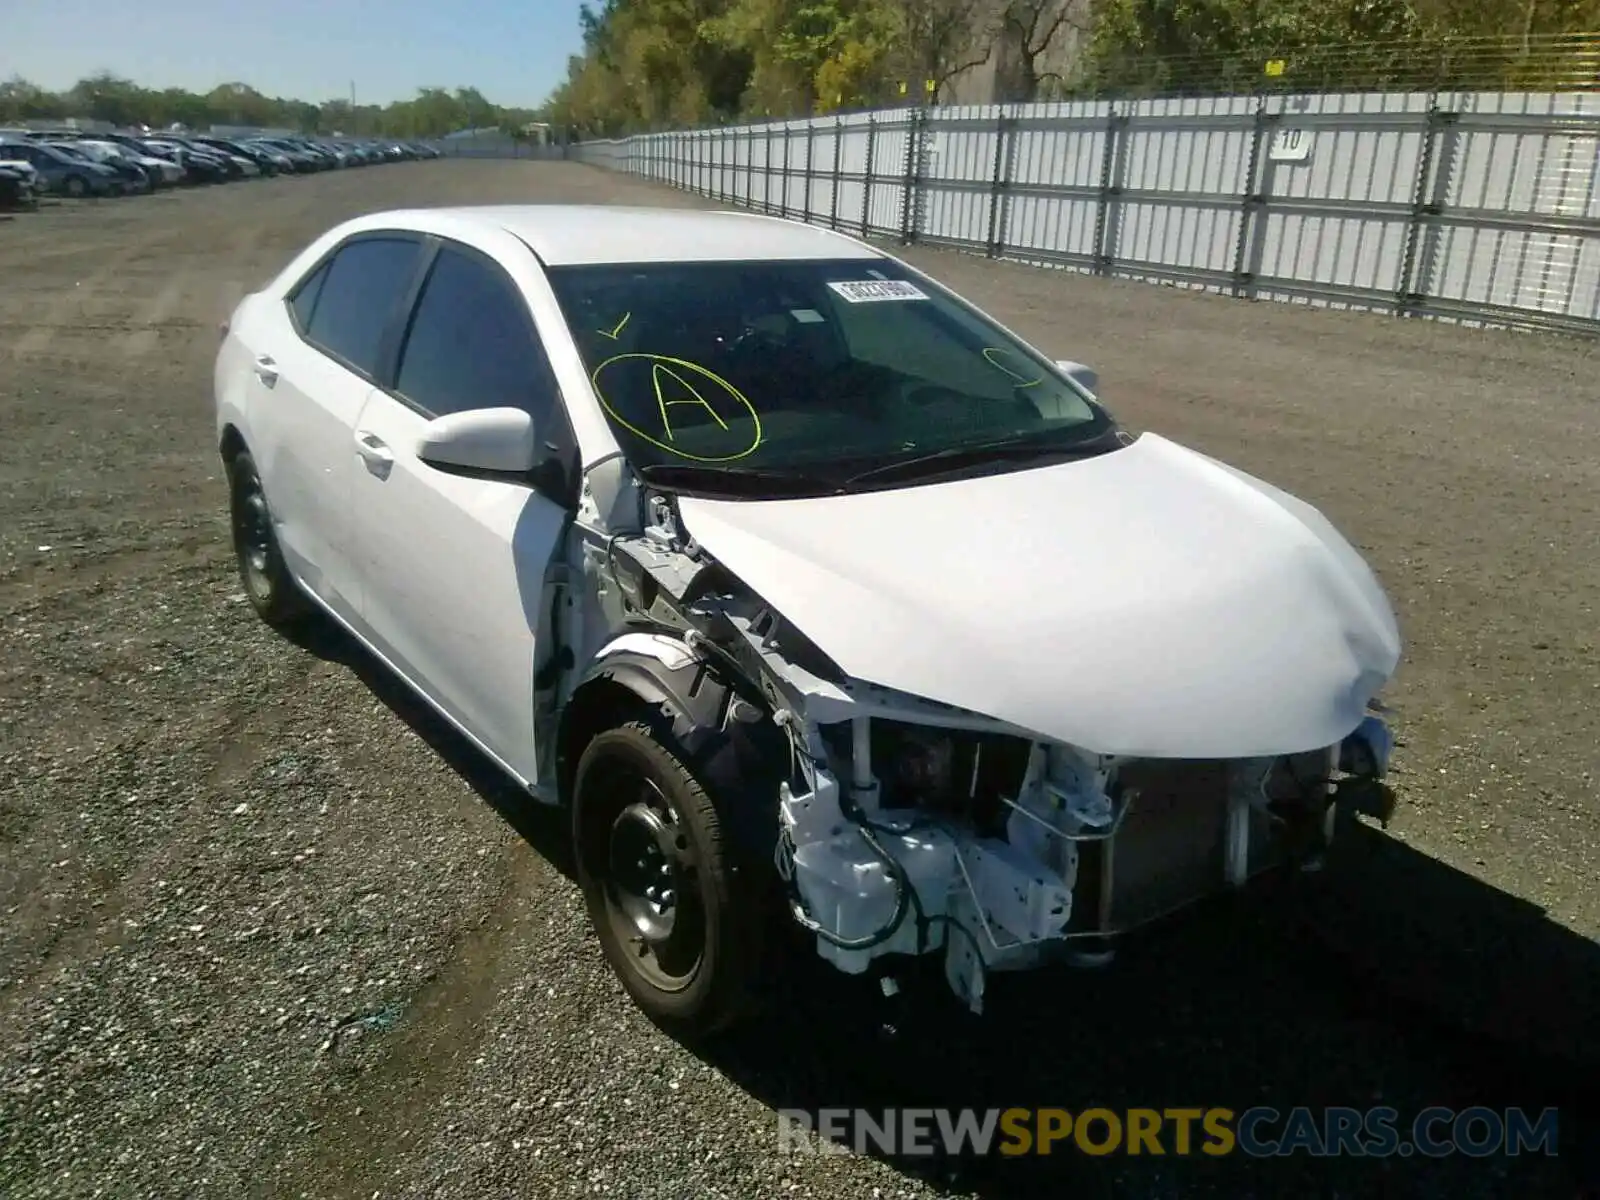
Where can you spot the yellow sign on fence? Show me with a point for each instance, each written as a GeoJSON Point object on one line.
{"type": "Point", "coordinates": [1275, 66]}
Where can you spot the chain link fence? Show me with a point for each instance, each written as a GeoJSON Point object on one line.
{"type": "Point", "coordinates": [1538, 63]}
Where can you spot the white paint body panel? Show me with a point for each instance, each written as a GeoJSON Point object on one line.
{"type": "Point", "coordinates": [566, 235]}
{"type": "Point", "coordinates": [452, 575]}
{"type": "Point", "coordinates": [298, 430]}
{"type": "Point", "coordinates": [1151, 602]}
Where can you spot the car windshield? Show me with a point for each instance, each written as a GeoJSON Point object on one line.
{"type": "Point", "coordinates": [733, 376]}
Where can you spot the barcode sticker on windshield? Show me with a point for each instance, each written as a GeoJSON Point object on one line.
{"type": "Point", "coordinates": [864, 290]}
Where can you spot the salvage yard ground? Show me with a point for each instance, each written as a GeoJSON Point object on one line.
{"type": "Point", "coordinates": [267, 930]}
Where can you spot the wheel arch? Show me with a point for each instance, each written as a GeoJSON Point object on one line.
{"type": "Point", "coordinates": [728, 741]}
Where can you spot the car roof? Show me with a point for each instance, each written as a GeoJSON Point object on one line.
{"type": "Point", "coordinates": [592, 234]}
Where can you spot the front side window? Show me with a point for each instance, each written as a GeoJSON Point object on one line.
{"type": "Point", "coordinates": [829, 373]}
{"type": "Point", "coordinates": [365, 283]}
{"type": "Point", "coordinates": [472, 344]}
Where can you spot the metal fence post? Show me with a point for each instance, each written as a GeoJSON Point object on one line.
{"type": "Point", "coordinates": [766, 169]}
{"type": "Point", "coordinates": [1000, 184]}
{"type": "Point", "coordinates": [838, 162]}
{"type": "Point", "coordinates": [783, 185]}
{"type": "Point", "coordinates": [866, 180]}
{"type": "Point", "coordinates": [1253, 204]}
{"type": "Point", "coordinates": [911, 184]}
{"type": "Point", "coordinates": [728, 142]}
{"type": "Point", "coordinates": [1434, 167]}
{"type": "Point", "coordinates": [811, 145]}
{"type": "Point", "coordinates": [1108, 213]}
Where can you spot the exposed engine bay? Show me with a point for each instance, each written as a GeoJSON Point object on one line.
{"type": "Point", "coordinates": [906, 826]}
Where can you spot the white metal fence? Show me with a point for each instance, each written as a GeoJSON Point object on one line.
{"type": "Point", "coordinates": [1475, 207]}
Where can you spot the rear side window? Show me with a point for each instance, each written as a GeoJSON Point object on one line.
{"type": "Point", "coordinates": [364, 283]}
{"type": "Point", "coordinates": [472, 344]}
{"type": "Point", "coordinates": [304, 300]}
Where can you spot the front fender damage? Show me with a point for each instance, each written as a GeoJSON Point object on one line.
{"type": "Point", "coordinates": [900, 825]}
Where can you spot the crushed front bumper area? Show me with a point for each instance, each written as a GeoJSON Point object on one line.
{"type": "Point", "coordinates": [1086, 848]}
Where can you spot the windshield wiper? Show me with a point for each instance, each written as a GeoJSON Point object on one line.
{"type": "Point", "coordinates": [1024, 446]}
{"type": "Point", "coordinates": [739, 481]}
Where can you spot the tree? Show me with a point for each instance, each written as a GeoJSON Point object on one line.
{"type": "Point", "coordinates": [106, 97]}
{"type": "Point", "coordinates": [1029, 29]}
{"type": "Point", "coordinates": [943, 38]}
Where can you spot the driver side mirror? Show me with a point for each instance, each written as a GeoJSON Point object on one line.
{"type": "Point", "coordinates": [1085, 377]}
{"type": "Point", "coordinates": [501, 440]}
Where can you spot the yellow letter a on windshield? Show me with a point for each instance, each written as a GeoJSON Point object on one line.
{"type": "Point", "coordinates": [668, 396]}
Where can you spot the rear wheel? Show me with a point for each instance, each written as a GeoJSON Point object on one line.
{"type": "Point", "coordinates": [76, 186]}
{"type": "Point", "coordinates": [659, 881]}
{"type": "Point", "coordinates": [271, 590]}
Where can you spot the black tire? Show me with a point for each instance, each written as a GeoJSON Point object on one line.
{"type": "Point", "coordinates": [271, 590]}
{"type": "Point", "coordinates": [702, 977]}
{"type": "Point", "coordinates": [76, 186]}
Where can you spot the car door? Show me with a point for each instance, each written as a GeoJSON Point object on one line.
{"type": "Point", "coordinates": [50, 172]}
{"type": "Point", "coordinates": [454, 566]}
{"type": "Point", "coordinates": [314, 360]}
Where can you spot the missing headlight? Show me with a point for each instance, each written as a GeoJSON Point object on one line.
{"type": "Point", "coordinates": [952, 773]}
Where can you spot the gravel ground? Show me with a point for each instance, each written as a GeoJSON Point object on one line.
{"type": "Point", "coordinates": [269, 930]}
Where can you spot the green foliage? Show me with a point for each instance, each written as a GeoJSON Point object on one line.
{"type": "Point", "coordinates": [650, 64]}
{"type": "Point", "coordinates": [104, 97]}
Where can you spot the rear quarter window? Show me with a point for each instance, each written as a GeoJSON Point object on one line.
{"type": "Point", "coordinates": [359, 296]}
{"type": "Point", "coordinates": [303, 301]}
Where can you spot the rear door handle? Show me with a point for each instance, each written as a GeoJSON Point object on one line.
{"type": "Point", "coordinates": [374, 450]}
{"type": "Point", "coordinates": [266, 369]}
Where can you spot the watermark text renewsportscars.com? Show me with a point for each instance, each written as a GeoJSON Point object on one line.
{"type": "Point", "coordinates": [1258, 1132]}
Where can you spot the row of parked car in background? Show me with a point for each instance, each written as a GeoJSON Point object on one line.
{"type": "Point", "coordinates": [80, 163]}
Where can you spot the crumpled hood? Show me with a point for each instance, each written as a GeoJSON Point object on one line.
{"type": "Point", "coordinates": [1148, 602]}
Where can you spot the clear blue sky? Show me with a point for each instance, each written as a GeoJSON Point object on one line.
{"type": "Point", "coordinates": [514, 51]}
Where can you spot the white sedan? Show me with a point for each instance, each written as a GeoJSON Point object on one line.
{"type": "Point", "coordinates": [798, 579]}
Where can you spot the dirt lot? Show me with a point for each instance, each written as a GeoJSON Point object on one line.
{"type": "Point", "coordinates": [269, 930]}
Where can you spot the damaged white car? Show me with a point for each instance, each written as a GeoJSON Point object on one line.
{"type": "Point", "coordinates": [793, 574]}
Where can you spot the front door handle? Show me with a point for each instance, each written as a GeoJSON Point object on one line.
{"type": "Point", "coordinates": [372, 448]}
{"type": "Point", "coordinates": [266, 369]}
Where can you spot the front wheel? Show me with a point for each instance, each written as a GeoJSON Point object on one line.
{"type": "Point", "coordinates": [76, 186]}
{"type": "Point", "coordinates": [659, 882]}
